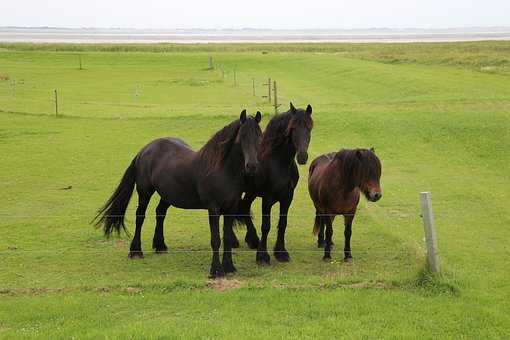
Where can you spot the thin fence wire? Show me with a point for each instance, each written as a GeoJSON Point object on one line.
{"type": "Point", "coordinates": [196, 251]}
{"type": "Point", "coordinates": [205, 216]}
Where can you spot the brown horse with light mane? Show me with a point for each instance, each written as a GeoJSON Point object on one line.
{"type": "Point", "coordinates": [335, 181]}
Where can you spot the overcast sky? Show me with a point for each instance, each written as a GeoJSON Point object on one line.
{"type": "Point", "coordinates": [278, 14]}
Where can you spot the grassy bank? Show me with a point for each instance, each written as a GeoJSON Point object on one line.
{"type": "Point", "coordinates": [437, 119]}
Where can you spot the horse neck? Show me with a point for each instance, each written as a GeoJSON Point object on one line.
{"type": "Point", "coordinates": [234, 161]}
{"type": "Point", "coordinates": [285, 152]}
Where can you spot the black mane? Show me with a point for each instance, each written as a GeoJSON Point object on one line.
{"type": "Point", "coordinates": [217, 148]}
{"type": "Point", "coordinates": [277, 130]}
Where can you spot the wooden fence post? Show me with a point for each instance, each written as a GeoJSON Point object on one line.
{"type": "Point", "coordinates": [275, 99]}
{"type": "Point", "coordinates": [211, 65]}
{"type": "Point", "coordinates": [253, 82]}
{"type": "Point", "coordinates": [56, 103]}
{"type": "Point", "coordinates": [79, 57]}
{"type": "Point", "coordinates": [235, 77]}
{"type": "Point", "coordinates": [430, 232]}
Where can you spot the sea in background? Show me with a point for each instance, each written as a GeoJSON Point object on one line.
{"type": "Point", "coordinates": [189, 36]}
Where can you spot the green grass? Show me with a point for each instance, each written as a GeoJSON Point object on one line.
{"type": "Point", "coordinates": [438, 120]}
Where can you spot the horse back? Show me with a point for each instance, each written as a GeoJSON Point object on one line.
{"type": "Point", "coordinates": [319, 160]}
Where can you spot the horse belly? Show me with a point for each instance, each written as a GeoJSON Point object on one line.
{"type": "Point", "coordinates": [178, 193]}
{"type": "Point", "coordinates": [344, 204]}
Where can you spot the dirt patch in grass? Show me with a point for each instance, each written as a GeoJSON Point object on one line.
{"type": "Point", "coordinates": [44, 290]}
{"type": "Point", "coordinates": [225, 284]}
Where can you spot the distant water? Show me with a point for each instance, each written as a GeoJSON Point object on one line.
{"type": "Point", "coordinates": [63, 35]}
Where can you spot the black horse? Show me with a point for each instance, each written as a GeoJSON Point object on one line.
{"type": "Point", "coordinates": [286, 136]}
{"type": "Point", "coordinates": [212, 178]}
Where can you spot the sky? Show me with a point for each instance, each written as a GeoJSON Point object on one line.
{"type": "Point", "coordinates": [275, 14]}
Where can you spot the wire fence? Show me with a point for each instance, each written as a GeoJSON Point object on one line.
{"type": "Point", "coordinates": [255, 91]}
{"type": "Point", "coordinates": [144, 98]}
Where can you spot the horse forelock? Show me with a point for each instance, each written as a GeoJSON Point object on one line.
{"type": "Point", "coordinates": [358, 166]}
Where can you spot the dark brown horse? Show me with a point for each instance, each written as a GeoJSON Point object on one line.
{"type": "Point", "coordinates": [334, 183]}
{"type": "Point", "coordinates": [212, 178]}
{"type": "Point", "coordinates": [286, 137]}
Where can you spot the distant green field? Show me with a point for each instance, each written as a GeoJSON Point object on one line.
{"type": "Point", "coordinates": [437, 115]}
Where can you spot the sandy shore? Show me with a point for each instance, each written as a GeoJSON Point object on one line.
{"type": "Point", "coordinates": [59, 35]}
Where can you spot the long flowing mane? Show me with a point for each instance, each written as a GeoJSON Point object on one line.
{"type": "Point", "coordinates": [275, 133]}
{"type": "Point", "coordinates": [217, 148]}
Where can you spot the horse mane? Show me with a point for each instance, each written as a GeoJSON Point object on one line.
{"type": "Point", "coordinates": [217, 148]}
{"type": "Point", "coordinates": [276, 132]}
{"type": "Point", "coordinates": [357, 166]}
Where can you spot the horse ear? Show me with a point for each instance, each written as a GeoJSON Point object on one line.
{"type": "Point", "coordinates": [258, 117]}
{"type": "Point", "coordinates": [309, 109]}
{"type": "Point", "coordinates": [242, 118]}
{"type": "Point", "coordinates": [292, 108]}
{"type": "Point", "coordinates": [372, 149]}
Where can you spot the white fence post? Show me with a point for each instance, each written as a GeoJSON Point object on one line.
{"type": "Point", "coordinates": [430, 232]}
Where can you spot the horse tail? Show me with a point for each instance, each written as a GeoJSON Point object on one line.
{"type": "Point", "coordinates": [112, 214]}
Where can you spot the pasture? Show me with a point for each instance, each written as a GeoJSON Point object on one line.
{"type": "Point", "coordinates": [437, 115]}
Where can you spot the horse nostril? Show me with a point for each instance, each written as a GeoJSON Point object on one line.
{"type": "Point", "coordinates": [302, 158]}
{"type": "Point", "coordinates": [377, 195]}
{"type": "Point", "coordinates": [251, 167]}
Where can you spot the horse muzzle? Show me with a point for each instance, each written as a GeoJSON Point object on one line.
{"type": "Point", "coordinates": [302, 158]}
{"type": "Point", "coordinates": [373, 196]}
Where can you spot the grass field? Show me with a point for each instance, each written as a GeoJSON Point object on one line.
{"type": "Point", "coordinates": [437, 115]}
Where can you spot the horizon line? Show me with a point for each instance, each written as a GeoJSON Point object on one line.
{"type": "Point", "coordinates": [254, 28]}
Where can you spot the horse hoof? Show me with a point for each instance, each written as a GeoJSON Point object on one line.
{"type": "Point", "coordinates": [135, 255]}
{"type": "Point", "coordinates": [161, 251]}
{"type": "Point", "coordinates": [263, 259]}
{"type": "Point", "coordinates": [327, 259]}
{"type": "Point", "coordinates": [282, 255]}
{"type": "Point", "coordinates": [348, 260]}
{"type": "Point", "coordinates": [235, 244]}
{"type": "Point", "coordinates": [216, 273]}
{"type": "Point", "coordinates": [229, 269]}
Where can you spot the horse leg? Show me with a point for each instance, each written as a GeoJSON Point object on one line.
{"type": "Point", "coordinates": [158, 242]}
{"type": "Point", "coordinates": [328, 221]}
{"type": "Point", "coordinates": [280, 253]}
{"type": "Point", "coordinates": [347, 234]}
{"type": "Point", "coordinates": [228, 264]}
{"type": "Point", "coordinates": [320, 224]}
{"type": "Point", "coordinates": [135, 250]}
{"type": "Point", "coordinates": [262, 254]}
{"type": "Point", "coordinates": [214, 221]}
{"type": "Point", "coordinates": [251, 238]}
